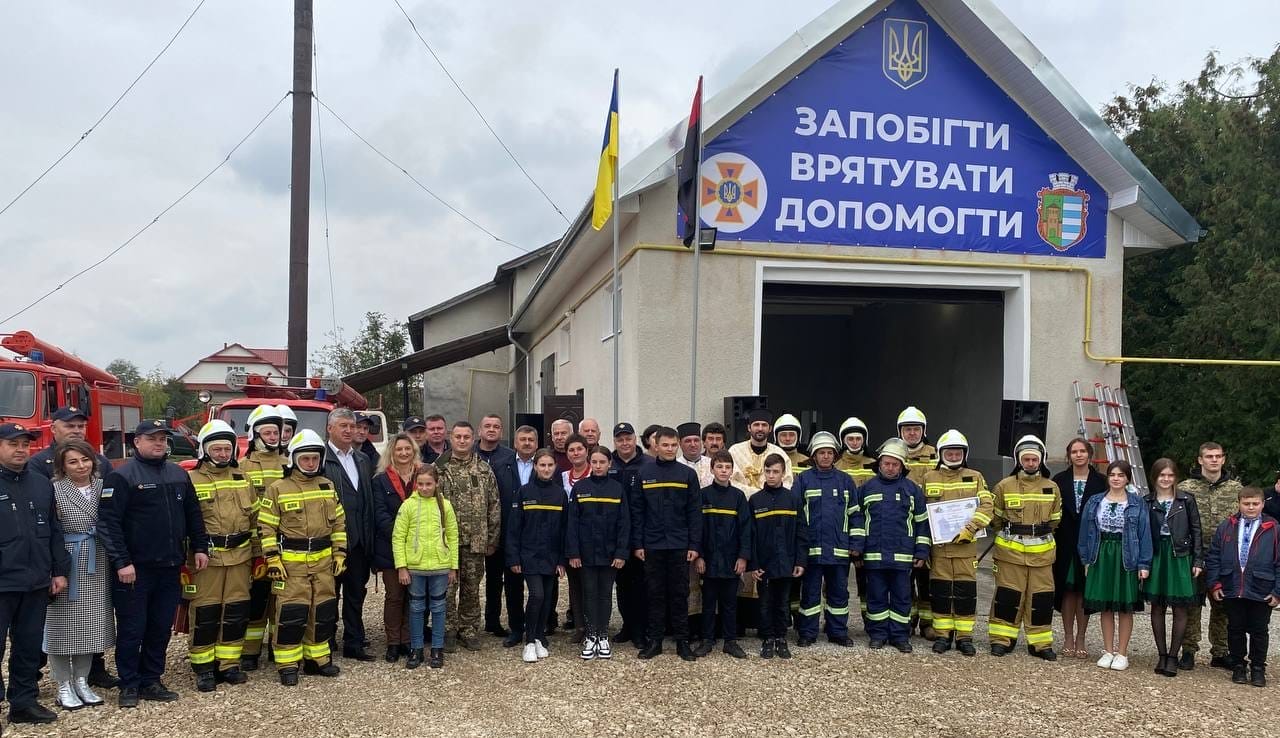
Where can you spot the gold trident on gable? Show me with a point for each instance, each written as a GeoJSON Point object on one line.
{"type": "Point", "coordinates": [906, 62]}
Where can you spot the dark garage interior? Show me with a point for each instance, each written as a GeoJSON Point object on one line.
{"type": "Point", "coordinates": [828, 352]}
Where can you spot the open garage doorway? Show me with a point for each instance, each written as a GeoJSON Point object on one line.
{"type": "Point", "coordinates": [831, 351]}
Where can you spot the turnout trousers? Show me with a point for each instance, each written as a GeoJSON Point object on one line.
{"type": "Point", "coordinates": [306, 615]}
{"type": "Point", "coordinates": [218, 616]}
{"type": "Point", "coordinates": [1023, 598]}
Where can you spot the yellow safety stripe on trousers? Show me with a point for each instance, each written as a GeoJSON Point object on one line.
{"type": "Point", "coordinates": [838, 610]}
{"type": "Point", "coordinates": [1020, 547]}
{"type": "Point", "coordinates": [284, 655]}
{"type": "Point", "coordinates": [876, 616]}
{"type": "Point", "coordinates": [226, 653]}
{"type": "Point", "coordinates": [657, 485]}
{"type": "Point", "coordinates": [605, 500]}
{"type": "Point", "coordinates": [254, 634]}
{"type": "Point", "coordinates": [268, 518]}
{"type": "Point", "coordinates": [944, 624]}
{"type": "Point", "coordinates": [1001, 630]}
{"type": "Point", "coordinates": [771, 513]}
{"type": "Point", "coordinates": [842, 553]}
{"type": "Point", "coordinates": [550, 508]}
{"type": "Point", "coordinates": [203, 656]}
{"type": "Point", "coordinates": [809, 611]}
{"type": "Point", "coordinates": [963, 625]}
{"type": "Point", "coordinates": [895, 617]}
{"type": "Point", "coordinates": [719, 511]}
{"type": "Point", "coordinates": [1040, 639]}
{"type": "Point", "coordinates": [302, 557]}
{"type": "Point", "coordinates": [872, 557]}
{"type": "Point", "coordinates": [315, 651]}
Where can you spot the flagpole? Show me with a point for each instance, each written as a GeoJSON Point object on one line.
{"type": "Point", "coordinates": [617, 337]}
{"type": "Point", "coordinates": [695, 219]}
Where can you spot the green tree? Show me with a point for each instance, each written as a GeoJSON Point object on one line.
{"type": "Point", "coordinates": [379, 340]}
{"type": "Point", "coordinates": [154, 397]}
{"type": "Point", "coordinates": [126, 371]}
{"type": "Point", "coordinates": [1214, 142]}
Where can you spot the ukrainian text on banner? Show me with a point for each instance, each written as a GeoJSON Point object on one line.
{"type": "Point", "coordinates": [896, 138]}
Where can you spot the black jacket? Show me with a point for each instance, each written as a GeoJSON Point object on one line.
{"type": "Point", "coordinates": [31, 547]}
{"type": "Point", "coordinates": [726, 530]}
{"type": "Point", "coordinates": [1184, 526]}
{"type": "Point", "coordinates": [371, 451]}
{"type": "Point", "coordinates": [42, 463]}
{"type": "Point", "coordinates": [599, 522]}
{"type": "Point", "coordinates": [147, 513]}
{"type": "Point", "coordinates": [780, 538]}
{"type": "Point", "coordinates": [535, 538]}
{"type": "Point", "coordinates": [666, 507]}
{"type": "Point", "coordinates": [386, 505]}
{"type": "Point", "coordinates": [1067, 534]}
{"type": "Point", "coordinates": [357, 501]}
{"type": "Point", "coordinates": [625, 471]}
{"type": "Point", "coordinates": [502, 461]}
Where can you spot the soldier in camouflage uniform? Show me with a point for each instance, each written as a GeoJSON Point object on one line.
{"type": "Point", "coordinates": [1216, 493]}
{"type": "Point", "coordinates": [467, 482]}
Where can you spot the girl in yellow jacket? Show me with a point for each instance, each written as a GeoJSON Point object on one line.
{"type": "Point", "coordinates": [424, 544]}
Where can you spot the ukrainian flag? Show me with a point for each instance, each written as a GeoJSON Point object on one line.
{"type": "Point", "coordinates": [608, 171]}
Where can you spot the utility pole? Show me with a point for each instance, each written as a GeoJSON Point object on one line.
{"type": "Point", "coordinates": [300, 188]}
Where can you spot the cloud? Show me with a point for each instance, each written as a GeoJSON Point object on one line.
{"type": "Point", "coordinates": [214, 269]}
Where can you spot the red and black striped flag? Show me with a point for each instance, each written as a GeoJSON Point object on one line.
{"type": "Point", "coordinates": [687, 192]}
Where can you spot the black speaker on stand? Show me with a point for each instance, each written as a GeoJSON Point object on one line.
{"type": "Point", "coordinates": [736, 410]}
{"type": "Point", "coordinates": [1019, 418]}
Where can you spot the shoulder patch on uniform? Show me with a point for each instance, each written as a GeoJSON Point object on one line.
{"type": "Point", "coordinates": [107, 492]}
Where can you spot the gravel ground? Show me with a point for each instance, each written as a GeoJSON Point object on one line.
{"type": "Point", "coordinates": [823, 691]}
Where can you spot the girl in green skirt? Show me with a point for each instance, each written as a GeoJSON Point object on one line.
{"type": "Point", "coordinates": [1115, 548]}
{"type": "Point", "coordinates": [1175, 531]}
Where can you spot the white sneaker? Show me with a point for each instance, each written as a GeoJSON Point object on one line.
{"type": "Point", "coordinates": [530, 655]}
{"type": "Point", "coordinates": [1106, 660]}
{"type": "Point", "coordinates": [540, 649]}
{"type": "Point", "coordinates": [603, 651]}
{"type": "Point", "coordinates": [1120, 663]}
{"type": "Point", "coordinates": [588, 648]}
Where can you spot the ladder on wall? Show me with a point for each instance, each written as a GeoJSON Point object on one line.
{"type": "Point", "coordinates": [1108, 409]}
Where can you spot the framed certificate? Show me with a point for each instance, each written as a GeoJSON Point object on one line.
{"type": "Point", "coordinates": [947, 519]}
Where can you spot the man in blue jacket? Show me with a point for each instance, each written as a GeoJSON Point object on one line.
{"type": "Point", "coordinates": [666, 530]}
{"type": "Point", "coordinates": [34, 565]}
{"type": "Point", "coordinates": [147, 516]}
{"type": "Point", "coordinates": [503, 462]}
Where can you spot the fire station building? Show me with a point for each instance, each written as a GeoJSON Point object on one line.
{"type": "Point", "coordinates": [912, 207]}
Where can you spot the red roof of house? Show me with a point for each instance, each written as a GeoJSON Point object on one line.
{"type": "Point", "coordinates": [277, 358]}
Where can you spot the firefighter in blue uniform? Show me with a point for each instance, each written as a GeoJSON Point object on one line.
{"type": "Point", "coordinates": [890, 533]}
{"type": "Point", "coordinates": [827, 494]}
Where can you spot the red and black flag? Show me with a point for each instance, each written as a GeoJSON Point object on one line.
{"type": "Point", "coordinates": [687, 208]}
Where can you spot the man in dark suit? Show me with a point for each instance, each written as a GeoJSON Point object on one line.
{"type": "Point", "coordinates": [503, 462]}
{"type": "Point", "coordinates": [349, 470]}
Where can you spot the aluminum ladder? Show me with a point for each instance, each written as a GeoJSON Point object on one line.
{"type": "Point", "coordinates": [1109, 409]}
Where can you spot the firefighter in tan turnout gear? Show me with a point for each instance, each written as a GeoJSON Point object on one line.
{"type": "Point", "coordinates": [853, 459]}
{"type": "Point", "coordinates": [263, 465]}
{"type": "Point", "coordinates": [953, 582]}
{"type": "Point", "coordinates": [304, 538]}
{"type": "Point", "coordinates": [1028, 507]}
{"type": "Point", "coordinates": [921, 458]}
{"type": "Point", "coordinates": [788, 434]}
{"type": "Point", "coordinates": [219, 610]}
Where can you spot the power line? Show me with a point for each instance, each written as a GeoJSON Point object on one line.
{"type": "Point", "coordinates": [159, 215]}
{"type": "Point", "coordinates": [480, 115]}
{"type": "Point", "coordinates": [415, 180]}
{"type": "Point", "coordinates": [324, 180]}
{"type": "Point", "coordinates": [103, 117]}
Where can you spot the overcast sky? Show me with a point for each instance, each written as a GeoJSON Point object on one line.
{"type": "Point", "coordinates": [214, 269]}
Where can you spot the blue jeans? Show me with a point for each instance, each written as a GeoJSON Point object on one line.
{"type": "Point", "coordinates": [419, 586]}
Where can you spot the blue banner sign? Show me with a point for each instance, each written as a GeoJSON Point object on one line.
{"type": "Point", "coordinates": [896, 138]}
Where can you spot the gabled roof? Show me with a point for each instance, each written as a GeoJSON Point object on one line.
{"type": "Point", "coordinates": [993, 42]}
{"type": "Point", "coordinates": [275, 358]}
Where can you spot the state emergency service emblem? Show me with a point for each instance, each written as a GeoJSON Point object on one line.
{"type": "Point", "coordinates": [904, 56]}
{"type": "Point", "coordinates": [732, 194]}
{"type": "Point", "coordinates": [1061, 210]}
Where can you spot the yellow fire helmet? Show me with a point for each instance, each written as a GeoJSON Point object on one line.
{"type": "Point", "coordinates": [896, 448]}
{"type": "Point", "coordinates": [953, 439]}
{"type": "Point", "coordinates": [215, 430]}
{"type": "Point", "coordinates": [912, 416]}
{"type": "Point", "coordinates": [823, 439]}
{"type": "Point", "coordinates": [306, 440]}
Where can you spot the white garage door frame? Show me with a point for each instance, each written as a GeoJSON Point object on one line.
{"type": "Point", "coordinates": [1013, 284]}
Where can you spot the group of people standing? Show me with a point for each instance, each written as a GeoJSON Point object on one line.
{"type": "Point", "coordinates": [278, 545]}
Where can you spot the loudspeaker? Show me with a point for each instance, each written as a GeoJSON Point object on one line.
{"type": "Point", "coordinates": [533, 420]}
{"type": "Point", "coordinates": [736, 410]}
{"type": "Point", "coordinates": [1019, 418]}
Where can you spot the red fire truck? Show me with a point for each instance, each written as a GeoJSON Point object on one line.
{"type": "Point", "coordinates": [44, 378]}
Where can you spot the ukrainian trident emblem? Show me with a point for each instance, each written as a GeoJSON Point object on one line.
{"type": "Point", "coordinates": [1061, 211]}
{"type": "Point", "coordinates": [905, 52]}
